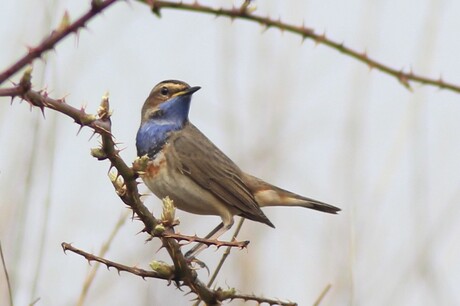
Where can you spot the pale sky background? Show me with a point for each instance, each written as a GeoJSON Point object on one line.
{"type": "Point", "coordinates": [301, 116]}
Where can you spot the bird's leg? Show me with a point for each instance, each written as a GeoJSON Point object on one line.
{"type": "Point", "coordinates": [214, 234]}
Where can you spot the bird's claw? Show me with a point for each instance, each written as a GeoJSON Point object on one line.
{"type": "Point", "coordinates": [193, 260]}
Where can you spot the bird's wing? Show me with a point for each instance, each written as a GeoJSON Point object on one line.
{"type": "Point", "coordinates": [210, 168]}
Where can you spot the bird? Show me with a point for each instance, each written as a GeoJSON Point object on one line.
{"type": "Point", "coordinates": [186, 166]}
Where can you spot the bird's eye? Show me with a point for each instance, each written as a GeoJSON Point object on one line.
{"type": "Point", "coordinates": [164, 91]}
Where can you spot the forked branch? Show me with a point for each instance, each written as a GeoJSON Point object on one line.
{"type": "Point", "coordinates": [124, 181]}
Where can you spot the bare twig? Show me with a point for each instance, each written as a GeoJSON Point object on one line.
{"type": "Point", "coordinates": [169, 273]}
{"type": "Point", "coordinates": [322, 295]}
{"type": "Point", "coordinates": [260, 300]}
{"type": "Point", "coordinates": [57, 35]}
{"type": "Point", "coordinates": [207, 242]}
{"type": "Point", "coordinates": [238, 13]}
{"type": "Point", "coordinates": [8, 282]}
{"type": "Point", "coordinates": [108, 263]}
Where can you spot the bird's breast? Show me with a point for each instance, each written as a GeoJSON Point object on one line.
{"type": "Point", "coordinates": [155, 167]}
{"type": "Point", "coordinates": [163, 177]}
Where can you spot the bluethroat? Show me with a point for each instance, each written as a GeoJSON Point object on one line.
{"type": "Point", "coordinates": [186, 166]}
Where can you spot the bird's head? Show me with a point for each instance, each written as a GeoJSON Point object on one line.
{"type": "Point", "coordinates": [168, 102]}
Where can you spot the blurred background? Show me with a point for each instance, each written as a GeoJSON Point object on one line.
{"type": "Point", "coordinates": [299, 115]}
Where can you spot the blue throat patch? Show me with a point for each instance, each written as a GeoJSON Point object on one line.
{"type": "Point", "coordinates": [155, 131]}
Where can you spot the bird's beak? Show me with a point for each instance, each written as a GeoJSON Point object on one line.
{"type": "Point", "coordinates": [187, 92]}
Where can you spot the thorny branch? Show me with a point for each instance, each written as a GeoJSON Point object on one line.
{"type": "Point", "coordinates": [166, 272]}
{"type": "Point", "coordinates": [207, 242]}
{"type": "Point", "coordinates": [125, 184]}
{"type": "Point", "coordinates": [245, 13]}
{"type": "Point", "coordinates": [64, 29]}
{"type": "Point", "coordinates": [109, 264]}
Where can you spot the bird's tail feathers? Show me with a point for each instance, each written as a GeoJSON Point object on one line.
{"type": "Point", "coordinates": [269, 195]}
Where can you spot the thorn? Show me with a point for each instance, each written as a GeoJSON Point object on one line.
{"type": "Point", "coordinates": [65, 22]}
{"type": "Point", "coordinates": [265, 28]}
{"type": "Point", "coordinates": [79, 129]}
{"type": "Point", "coordinates": [30, 49]}
{"type": "Point", "coordinates": [304, 38]}
{"type": "Point", "coordinates": [96, 4]}
{"type": "Point", "coordinates": [154, 7]}
{"type": "Point", "coordinates": [64, 98]}
{"type": "Point", "coordinates": [92, 135]}
{"type": "Point", "coordinates": [83, 108]}
{"type": "Point", "coordinates": [77, 38]}
{"type": "Point", "coordinates": [403, 79]}
{"type": "Point", "coordinates": [42, 57]}
{"type": "Point", "coordinates": [320, 38]}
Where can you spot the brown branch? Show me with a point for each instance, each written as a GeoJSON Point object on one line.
{"type": "Point", "coordinates": [260, 300]}
{"type": "Point", "coordinates": [97, 6]}
{"type": "Point", "coordinates": [120, 267]}
{"type": "Point", "coordinates": [243, 13]}
{"type": "Point", "coordinates": [166, 272]}
{"type": "Point", "coordinates": [207, 242]}
{"type": "Point", "coordinates": [127, 188]}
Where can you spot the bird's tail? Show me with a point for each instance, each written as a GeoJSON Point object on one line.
{"type": "Point", "coordinates": [269, 195]}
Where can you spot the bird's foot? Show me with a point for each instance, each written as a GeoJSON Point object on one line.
{"type": "Point", "coordinates": [195, 263]}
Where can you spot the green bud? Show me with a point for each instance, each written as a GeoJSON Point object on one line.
{"type": "Point", "coordinates": [98, 153]}
{"type": "Point", "coordinates": [162, 268]}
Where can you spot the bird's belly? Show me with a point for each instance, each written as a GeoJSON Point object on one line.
{"type": "Point", "coordinates": [187, 195]}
